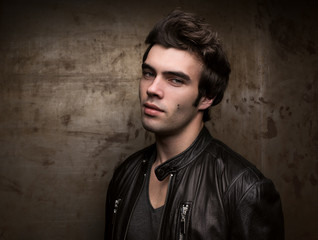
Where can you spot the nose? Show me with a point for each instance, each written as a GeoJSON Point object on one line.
{"type": "Point", "coordinates": [155, 89]}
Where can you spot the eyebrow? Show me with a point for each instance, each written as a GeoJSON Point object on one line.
{"type": "Point", "coordinates": [147, 66]}
{"type": "Point", "coordinates": [175, 73]}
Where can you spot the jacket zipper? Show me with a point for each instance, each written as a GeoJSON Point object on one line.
{"type": "Point", "coordinates": [133, 209]}
{"type": "Point", "coordinates": [164, 208]}
{"type": "Point", "coordinates": [183, 224]}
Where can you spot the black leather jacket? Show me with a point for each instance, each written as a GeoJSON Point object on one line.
{"type": "Point", "coordinates": [213, 194]}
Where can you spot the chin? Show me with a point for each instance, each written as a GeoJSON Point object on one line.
{"type": "Point", "coordinates": [148, 127]}
{"type": "Point", "coordinates": [151, 127]}
{"type": "Point", "coordinates": [157, 130]}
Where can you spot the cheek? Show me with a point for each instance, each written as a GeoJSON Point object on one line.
{"type": "Point", "coordinates": [142, 89]}
{"type": "Point", "coordinates": [184, 107]}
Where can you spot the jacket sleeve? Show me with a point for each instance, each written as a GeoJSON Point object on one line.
{"type": "Point", "coordinates": [258, 214]}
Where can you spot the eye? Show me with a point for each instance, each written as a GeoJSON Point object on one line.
{"type": "Point", "coordinates": [148, 74]}
{"type": "Point", "coordinates": [176, 81]}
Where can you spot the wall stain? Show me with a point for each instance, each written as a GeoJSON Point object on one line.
{"type": "Point", "coordinates": [262, 100]}
{"type": "Point", "coordinates": [311, 47]}
{"type": "Point", "coordinates": [109, 86]}
{"type": "Point", "coordinates": [313, 180]}
{"type": "Point", "coordinates": [68, 64]}
{"type": "Point", "coordinates": [8, 185]}
{"type": "Point", "coordinates": [284, 111]}
{"type": "Point", "coordinates": [255, 135]}
{"type": "Point", "coordinates": [298, 186]}
{"type": "Point", "coordinates": [109, 141]}
{"type": "Point", "coordinates": [271, 129]}
{"type": "Point", "coordinates": [136, 133]}
{"type": "Point", "coordinates": [283, 31]}
{"type": "Point", "coordinates": [117, 138]}
{"type": "Point", "coordinates": [148, 137]}
{"type": "Point", "coordinates": [252, 99]}
{"type": "Point", "coordinates": [66, 119]}
{"type": "Point", "coordinates": [104, 173]}
{"type": "Point", "coordinates": [4, 233]}
{"type": "Point", "coordinates": [291, 36]}
{"type": "Point", "coordinates": [309, 97]}
{"type": "Point", "coordinates": [240, 108]}
{"type": "Point", "coordinates": [297, 158]}
{"type": "Point", "coordinates": [251, 106]}
{"type": "Point", "coordinates": [130, 122]}
{"type": "Point", "coordinates": [76, 19]}
{"type": "Point", "coordinates": [48, 162]}
{"type": "Point", "coordinates": [310, 94]}
{"type": "Point", "coordinates": [120, 56]}
{"type": "Point", "coordinates": [296, 183]}
{"type": "Point", "coordinates": [261, 15]}
{"type": "Point", "coordinates": [99, 149]}
{"type": "Point", "coordinates": [41, 155]}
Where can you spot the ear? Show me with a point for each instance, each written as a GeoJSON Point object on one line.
{"type": "Point", "coordinates": [205, 103]}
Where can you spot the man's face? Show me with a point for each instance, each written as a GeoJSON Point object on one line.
{"type": "Point", "coordinates": [168, 89]}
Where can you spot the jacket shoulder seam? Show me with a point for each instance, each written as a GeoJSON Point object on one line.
{"type": "Point", "coordinates": [245, 168]}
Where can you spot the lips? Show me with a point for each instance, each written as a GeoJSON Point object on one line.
{"type": "Point", "coordinates": [152, 106]}
{"type": "Point", "coordinates": [152, 109]}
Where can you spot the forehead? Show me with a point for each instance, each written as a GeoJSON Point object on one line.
{"type": "Point", "coordinates": [172, 59]}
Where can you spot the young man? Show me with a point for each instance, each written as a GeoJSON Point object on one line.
{"type": "Point", "coordinates": [187, 185]}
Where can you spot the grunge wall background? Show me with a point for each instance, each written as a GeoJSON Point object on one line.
{"type": "Point", "coordinates": [69, 112]}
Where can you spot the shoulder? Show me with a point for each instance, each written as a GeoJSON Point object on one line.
{"type": "Point", "coordinates": [235, 173]}
{"type": "Point", "coordinates": [251, 202]}
{"type": "Point", "coordinates": [229, 160]}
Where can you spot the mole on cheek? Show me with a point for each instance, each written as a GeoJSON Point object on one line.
{"type": "Point", "coordinates": [178, 106]}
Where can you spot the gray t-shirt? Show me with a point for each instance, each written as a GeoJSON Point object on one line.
{"type": "Point", "coordinates": [145, 220]}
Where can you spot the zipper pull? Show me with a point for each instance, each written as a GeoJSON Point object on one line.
{"type": "Point", "coordinates": [117, 202]}
{"type": "Point", "coordinates": [183, 211]}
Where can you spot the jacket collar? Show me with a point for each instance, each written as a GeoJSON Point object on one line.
{"type": "Point", "coordinates": [183, 159]}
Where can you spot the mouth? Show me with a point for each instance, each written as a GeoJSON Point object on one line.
{"type": "Point", "coordinates": [152, 109]}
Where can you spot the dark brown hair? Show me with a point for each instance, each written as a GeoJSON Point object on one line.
{"type": "Point", "coordinates": [186, 31]}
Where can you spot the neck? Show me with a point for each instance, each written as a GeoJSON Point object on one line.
{"type": "Point", "coordinates": [169, 146]}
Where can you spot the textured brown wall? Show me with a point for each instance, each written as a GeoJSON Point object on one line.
{"type": "Point", "coordinates": [69, 105]}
